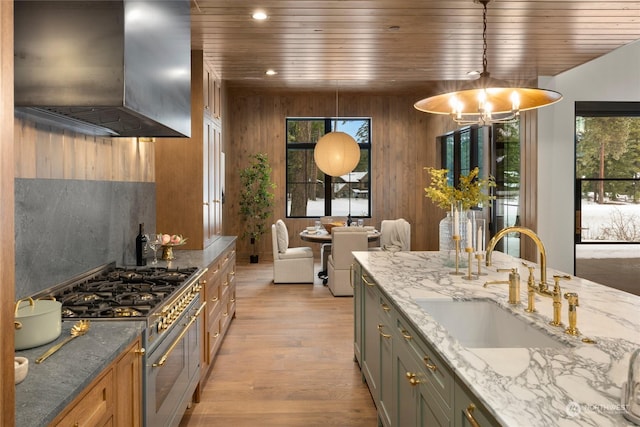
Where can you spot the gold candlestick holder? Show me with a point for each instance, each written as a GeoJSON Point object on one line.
{"type": "Point", "coordinates": [469, 275]}
{"type": "Point", "coordinates": [456, 239]}
{"type": "Point", "coordinates": [480, 257]}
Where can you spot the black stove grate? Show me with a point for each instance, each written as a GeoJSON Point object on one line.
{"type": "Point", "coordinates": [120, 292]}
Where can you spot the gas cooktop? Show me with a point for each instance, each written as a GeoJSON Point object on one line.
{"type": "Point", "coordinates": [119, 292]}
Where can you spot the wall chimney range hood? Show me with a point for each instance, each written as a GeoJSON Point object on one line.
{"type": "Point", "coordinates": [113, 68]}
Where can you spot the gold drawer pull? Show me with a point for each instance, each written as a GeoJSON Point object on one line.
{"type": "Point", "coordinates": [366, 282]}
{"type": "Point", "coordinates": [140, 352]}
{"type": "Point", "coordinates": [214, 299]}
{"type": "Point", "coordinates": [225, 284]}
{"type": "Point", "coordinates": [380, 326]}
{"type": "Point", "coordinates": [428, 364]}
{"type": "Point", "coordinates": [406, 335]}
{"type": "Point", "coordinates": [469, 414]}
{"type": "Point", "coordinates": [411, 377]}
{"type": "Point", "coordinates": [351, 276]}
{"type": "Point", "coordinates": [385, 307]}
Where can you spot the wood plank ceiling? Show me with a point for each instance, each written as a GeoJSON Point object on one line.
{"type": "Point", "coordinates": [395, 44]}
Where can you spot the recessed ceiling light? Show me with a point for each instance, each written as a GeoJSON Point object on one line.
{"type": "Point", "coordinates": [259, 15]}
{"type": "Point", "coordinates": [271, 72]}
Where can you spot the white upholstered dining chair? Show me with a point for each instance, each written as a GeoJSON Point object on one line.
{"type": "Point", "coordinates": [344, 241]}
{"type": "Point", "coordinates": [395, 235]}
{"type": "Point", "coordinates": [290, 265]}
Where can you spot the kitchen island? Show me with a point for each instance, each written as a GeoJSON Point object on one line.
{"type": "Point", "coordinates": [572, 384]}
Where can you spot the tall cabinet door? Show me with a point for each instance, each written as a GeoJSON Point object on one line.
{"type": "Point", "coordinates": [216, 185]}
{"type": "Point", "coordinates": [207, 148]}
{"type": "Point", "coordinates": [212, 152]}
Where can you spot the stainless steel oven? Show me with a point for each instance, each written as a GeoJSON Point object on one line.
{"type": "Point", "coordinates": [172, 369]}
{"type": "Point", "coordinates": [168, 299]}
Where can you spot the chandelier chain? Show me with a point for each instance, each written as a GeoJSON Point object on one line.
{"type": "Point", "coordinates": [484, 38]}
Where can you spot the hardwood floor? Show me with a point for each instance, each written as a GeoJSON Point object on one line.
{"type": "Point", "coordinates": [287, 360]}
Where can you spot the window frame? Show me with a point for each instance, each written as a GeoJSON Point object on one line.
{"type": "Point", "coordinates": [330, 124]}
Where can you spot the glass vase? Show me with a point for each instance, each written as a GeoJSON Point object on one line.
{"type": "Point", "coordinates": [445, 237]}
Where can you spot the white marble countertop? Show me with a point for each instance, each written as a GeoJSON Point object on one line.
{"type": "Point", "coordinates": [576, 385]}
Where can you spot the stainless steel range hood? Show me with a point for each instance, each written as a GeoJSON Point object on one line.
{"type": "Point", "coordinates": [119, 67]}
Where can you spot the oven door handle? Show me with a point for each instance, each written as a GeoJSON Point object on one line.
{"type": "Point", "coordinates": [165, 356]}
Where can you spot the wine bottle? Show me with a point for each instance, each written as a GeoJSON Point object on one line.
{"type": "Point", "coordinates": [141, 247]}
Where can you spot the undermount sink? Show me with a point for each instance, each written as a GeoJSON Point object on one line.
{"type": "Point", "coordinates": [485, 324]}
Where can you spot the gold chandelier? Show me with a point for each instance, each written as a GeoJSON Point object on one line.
{"type": "Point", "coordinates": [487, 100]}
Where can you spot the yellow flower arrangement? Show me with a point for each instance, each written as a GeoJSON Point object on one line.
{"type": "Point", "coordinates": [471, 190]}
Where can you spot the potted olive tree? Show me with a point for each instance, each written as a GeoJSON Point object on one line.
{"type": "Point", "coordinates": [256, 199]}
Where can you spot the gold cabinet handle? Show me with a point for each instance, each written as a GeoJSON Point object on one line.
{"type": "Point", "coordinates": [428, 364]}
{"type": "Point", "coordinates": [411, 377]}
{"type": "Point", "coordinates": [380, 326]}
{"type": "Point", "coordinates": [366, 282]}
{"type": "Point", "coordinates": [141, 351]}
{"type": "Point", "coordinates": [406, 335]}
{"type": "Point", "coordinates": [165, 356]}
{"type": "Point", "coordinates": [468, 413]}
{"type": "Point", "coordinates": [385, 307]}
{"type": "Point", "coordinates": [214, 299]}
{"type": "Point", "coordinates": [225, 283]}
{"type": "Point", "coordinates": [351, 275]}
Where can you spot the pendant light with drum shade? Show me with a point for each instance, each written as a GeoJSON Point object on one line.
{"type": "Point", "coordinates": [487, 100]}
{"type": "Point", "coordinates": [336, 153]}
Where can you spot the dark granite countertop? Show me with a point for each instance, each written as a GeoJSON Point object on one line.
{"type": "Point", "coordinates": [50, 386]}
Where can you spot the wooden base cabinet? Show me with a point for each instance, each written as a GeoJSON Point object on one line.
{"type": "Point", "coordinates": [410, 384]}
{"type": "Point", "coordinates": [219, 291]}
{"type": "Point", "coordinates": [114, 398]}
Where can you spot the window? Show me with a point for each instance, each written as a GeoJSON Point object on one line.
{"type": "Point", "coordinates": [607, 193]}
{"type": "Point", "coordinates": [494, 150]}
{"type": "Point", "coordinates": [311, 193]}
{"type": "Point", "coordinates": [607, 172]}
{"type": "Point", "coordinates": [462, 151]}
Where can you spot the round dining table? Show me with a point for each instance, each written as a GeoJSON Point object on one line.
{"type": "Point", "coordinates": [321, 236]}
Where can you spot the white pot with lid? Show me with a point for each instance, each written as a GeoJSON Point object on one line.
{"type": "Point", "coordinates": [36, 322]}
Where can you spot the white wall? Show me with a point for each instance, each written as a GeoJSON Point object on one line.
{"type": "Point", "coordinates": [613, 77]}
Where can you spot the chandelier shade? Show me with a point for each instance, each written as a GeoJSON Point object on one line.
{"type": "Point", "coordinates": [487, 100]}
{"type": "Point", "coordinates": [336, 153]}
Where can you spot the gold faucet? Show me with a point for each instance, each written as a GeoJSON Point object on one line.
{"type": "Point", "coordinates": [572, 299]}
{"type": "Point", "coordinates": [557, 300]}
{"type": "Point", "coordinates": [531, 290]}
{"type": "Point", "coordinates": [513, 282]}
{"type": "Point", "coordinates": [542, 286]}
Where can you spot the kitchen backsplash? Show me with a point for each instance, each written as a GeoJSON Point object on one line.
{"type": "Point", "coordinates": [66, 227]}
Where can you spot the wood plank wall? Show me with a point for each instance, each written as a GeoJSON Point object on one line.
{"type": "Point", "coordinates": [7, 250]}
{"type": "Point", "coordinates": [529, 177]}
{"type": "Point", "coordinates": [42, 151]}
{"type": "Point", "coordinates": [403, 143]}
